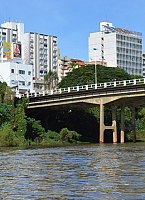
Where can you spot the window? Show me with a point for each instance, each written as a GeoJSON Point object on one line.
{"type": "Point", "coordinates": [54, 41]}
{"type": "Point", "coordinates": [54, 51]}
{"type": "Point", "coordinates": [13, 82]}
{"type": "Point", "coordinates": [45, 50]}
{"type": "Point", "coordinates": [41, 66]}
{"type": "Point", "coordinates": [29, 83]}
{"type": "Point", "coordinates": [3, 33]}
{"type": "Point", "coordinates": [29, 72]}
{"type": "Point", "coordinates": [41, 71]}
{"type": "Point", "coordinates": [21, 72]}
{"type": "Point", "coordinates": [102, 38]}
{"type": "Point", "coordinates": [40, 39]}
{"type": "Point", "coordinates": [12, 70]}
{"type": "Point", "coordinates": [45, 45]}
{"type": "Point", "coordinates": [41, 55]}
{"type": "Point", "coordinates": [4, 39]}
{"type": "Point", "coordinates": [21, 82]}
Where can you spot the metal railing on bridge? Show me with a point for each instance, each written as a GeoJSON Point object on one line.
{"type": "Point", "coordinates": [84, 87]}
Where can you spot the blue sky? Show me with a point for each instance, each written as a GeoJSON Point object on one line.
{"type": "Point", "coordinates": [73, 20]}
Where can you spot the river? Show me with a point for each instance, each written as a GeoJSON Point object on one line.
{"type": "Point", "coordinates": [88, 171]}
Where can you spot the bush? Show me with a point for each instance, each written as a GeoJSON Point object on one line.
{"type": "Point", "coordinates": [8, 137]}
{"type": "Point", "coordinates": [68, 136]}
{"type": "Point", "coordinates": [53, 135]}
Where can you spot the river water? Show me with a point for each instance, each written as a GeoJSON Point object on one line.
{"type": "Point", "coordinates": [90, 171]}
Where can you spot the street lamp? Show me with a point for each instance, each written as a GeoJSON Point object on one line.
{"type": "Point", "coordinates": [95, 67]}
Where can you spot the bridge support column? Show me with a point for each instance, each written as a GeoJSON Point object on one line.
{"type": "Point", "coordinates": [133, 124]}
{"type": "Point", "coordinates": [114, 124]}
{"type": "Point", "coordinates": [122, 124]}
{"type": "Point", "coordinates": [101, 123]}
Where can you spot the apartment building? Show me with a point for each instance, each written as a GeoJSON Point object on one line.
{"type": "Point", "coordinates": [41, 51]}
{"type": "Point", "coordinates": [118, 47]}
{"type": "Point", "coordinates": [65, 66]}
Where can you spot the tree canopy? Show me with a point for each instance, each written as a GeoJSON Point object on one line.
{"type": "Point", "coordinates": [86, 74]}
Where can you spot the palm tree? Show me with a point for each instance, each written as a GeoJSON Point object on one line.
{"type": "Point", "coordinates": [73, 65]}
{"type": "Point", "coordinates": [51, 78]}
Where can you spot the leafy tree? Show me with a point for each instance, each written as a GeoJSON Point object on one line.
{"type": "Point", "coordinates": [86, 73]}
{"type": "Point", "coordinates": [2, 90]}
{"type": "Point", "coordinates": [34, 129]}
{"type": "Point", "coordinates": [5, 113]}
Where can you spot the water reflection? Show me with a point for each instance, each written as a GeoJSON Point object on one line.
{"type": "Point", "coordinates": [74, 172]}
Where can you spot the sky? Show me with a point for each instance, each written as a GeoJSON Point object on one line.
{"type": "Point", "coordinates": [72, 21]}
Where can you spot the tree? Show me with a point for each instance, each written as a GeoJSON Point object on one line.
{"type": "Point", "coordinates": [50, 78]}
{"type": "Point", "coordinates": [2, 90]}
{"type": "Point", "coordinates": [5, 113]}
{"type": "Point", "coordinates": [86, 73]}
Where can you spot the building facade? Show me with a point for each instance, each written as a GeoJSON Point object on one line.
{"type": "Point", "coordinates": [118, 47]}
{"type": "Point", "coordinates": [15, 74]}
{"type": "Point", "coordinates": [41, 51]}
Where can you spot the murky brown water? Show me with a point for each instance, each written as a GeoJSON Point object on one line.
{"type": "Point", "coordinates": [74, 172]}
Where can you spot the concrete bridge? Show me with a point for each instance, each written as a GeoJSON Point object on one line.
{"type": "Point", "coordinates": [130, 93]}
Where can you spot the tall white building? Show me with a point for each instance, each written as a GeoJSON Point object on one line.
{"type": "Point", "coordinates": [118, 47]}
{"type": "Point", "coordinates": [41, 51]}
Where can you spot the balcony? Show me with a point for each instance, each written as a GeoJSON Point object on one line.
{"type": "Point", "coordinates": [31, 45]}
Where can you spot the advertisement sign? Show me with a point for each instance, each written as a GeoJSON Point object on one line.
{"type": "Point", "coordinates": [17, 50]}
{"type": "Point", "coordinates": [7, 50]}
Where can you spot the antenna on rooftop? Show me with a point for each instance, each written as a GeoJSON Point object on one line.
{"type": "Point", "coordinates": [9, 19]}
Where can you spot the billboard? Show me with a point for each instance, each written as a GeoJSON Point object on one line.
{"type": "Point", "coordinates": [7, 50]}
{"type": "Point", "coordinates": [17, 51]}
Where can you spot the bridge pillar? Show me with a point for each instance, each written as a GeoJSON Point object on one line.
{"type": "Point", "coordinates": [101, 123]}
{"type": "Point", "coordinates": [133, 124]}
{"type": "Point", "coordinates": [122, 124]}
{"type": "Point", "coordinates": [114, 124]}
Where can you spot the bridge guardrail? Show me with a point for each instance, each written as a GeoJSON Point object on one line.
{"type": "Point", "coordinates": [85, 87]}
